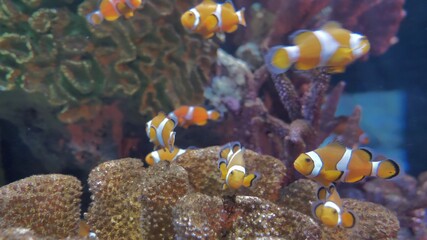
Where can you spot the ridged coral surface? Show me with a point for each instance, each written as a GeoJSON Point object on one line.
{"type": "Point", "coordinates": [47, 204]}
{"type": "Point", "coordinates": [50, 48]}
{"type": "Point", "coordinates": [115, 210]}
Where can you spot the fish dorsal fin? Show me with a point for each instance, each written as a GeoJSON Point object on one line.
{"type": "Point", "coordinates": [331, 25]}
{"type": "Point", "coordinates": [364, 154]}
{"type": "Point", "coordinates": [299, 36]}
{"type": "Point", "coordinates": [208, 2]}
{"type": "Point", "coordinates": [336, 145]}
{"type": "Point", "coordinates": [229, 5]}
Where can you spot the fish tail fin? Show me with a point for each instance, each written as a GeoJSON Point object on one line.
{"type": "Point", "coordinates": [214, 115]}
{"type": "Point", "coordinates": [95, 18]}
{"type": "Point", "coordinates": [348, 219]}
{"type": "Point", "coordinates": [278, 60]}
{"type": "Point", "coordinates": [387, 169]}
{"type": "Point", "coordinates": [241, 15]}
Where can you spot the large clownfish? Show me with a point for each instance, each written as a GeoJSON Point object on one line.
{"type": "Point", "coordinates": [194, 115]}
{"type": "Point", "coordinates": [163, 155]}
{"type": "Point", "coordinates": [210, 17]}
{"type": "Point", "coordinates": [232, 167]}
{"type": "Point", "coordinates": [160, 131]}
{"type": "Point", "coordinates": [335, 162]}
{"type": "Point", "coordinates": [331, 46]}
{"type": "Point", "coordinates": [329, 210]}
{"type": "Point", "coordinates": [111, 10]}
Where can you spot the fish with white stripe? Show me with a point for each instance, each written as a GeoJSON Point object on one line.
{"type": "Point", "coordinates": [332, 46]}
{"type": "Point", "coordinates": [232, 166]}
{"type": "Point", "coordinates": [194, 115]}
{"type": "Point", "coordinates": [210, 17]}
{"type": "Point", "coordinates": [335, 162]}
{"type": "Point", "coordinates": [163, 155]}
{"type": "Point", "coordinates": [160, 131]}
{"type": "Point", "coordinates": [329, 210]}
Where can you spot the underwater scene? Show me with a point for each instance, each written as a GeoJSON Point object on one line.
{"type": "Point", "coordinates": [204, 119]}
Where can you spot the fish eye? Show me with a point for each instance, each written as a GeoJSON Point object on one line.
{"type": "Point", "coordinates": [307, 160]}
{"type": "Point", "coordinates": [190, 14]}
{"type": "Point", "coordinates": [232, 172]}
{"type": "Point", "coordinates": [334, 211]}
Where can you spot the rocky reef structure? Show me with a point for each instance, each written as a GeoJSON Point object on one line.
{"type": "Point", "coordinates": [168, 201]}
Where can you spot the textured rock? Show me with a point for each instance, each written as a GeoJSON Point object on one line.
{"type": "Point", "coordinates": [258, 218]}
{"type": "Point", "coordinates": [162, 186]}
{"type": "Point", "coordinates": [299, 196]}
{"type": "Point", "coordinates": [49, 205]}
{"type": "Point", "coordinates": [204, 175]}
{"type": "Point", "coordinates": [198, 216]}
{"type": "Point", "coordinates": [115, 210]}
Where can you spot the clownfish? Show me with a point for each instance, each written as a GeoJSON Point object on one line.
{"type": "Point", "coordinates": [232, 167]}
{"type": "Point", "coordinates": [194, 115]}
{"type": "Point", "coordinates": [111, 10]}
{"type": "Point", "coordinates": [330, 210]}
{"type": "Point", "coordinates": [163, 155]}
{"type": "Point", "coordinates": [160, 131]}
{"type": "Point", "coordinates": [332, 46]}
{"type": "Point", "coordinates": [210, 17]}
{"type": "Point", "coordinates": [335, 162]}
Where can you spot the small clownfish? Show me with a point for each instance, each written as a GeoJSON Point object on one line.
{"type": "Point", "coordinates": [335, 162]}
{"type": "Point", "coordinates": [163, 155]}
{"type": "Point", "coordinates": [160, 131]}
{"type": "Point", "coordinates": [232, 167]}
{"type": "Point", "coordinates": [210, 17]}
{"type": "Point", "coordinates": [342, 125]}
{"type": "Point", "coordinates": [331, 46]}
{"type": "Point", "coordinates": [329, 209]}
{"type": "Point", "coordinates": [194, 115]}
{"type": "Point", "coordinates": [111, 10]}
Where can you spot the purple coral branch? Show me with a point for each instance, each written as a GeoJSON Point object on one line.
{"type": "Point", "coordinates": [288, 96]}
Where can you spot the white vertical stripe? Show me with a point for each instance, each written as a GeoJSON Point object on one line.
{"type": "Point", "coordinates": [293, 53]}
{"type": "Point", "coordinates": [197, 16]}
{"type": "Point", "coordinates": [218, 14]}
{"type": "Point", "coordinates": [334, 206]}
{"type": "Point", "coordinates": [342, 164]}
{"type": "Point", "coordinates": [189, 114]}
{"type": "Point", "coordinates": [159, 131]}
{"type": "Point", "coordinates": [156, 156]}
{"type": "Point", "coordinates": [375, 166]}
{"type": "Point", "coordinates": [237, 168]}
{"type": "Point", "coordinates": [355, 41]}
{"type": "Point", "coordinates": [328, 46]}
{"type": "Point", "coordinates": [318, 164]}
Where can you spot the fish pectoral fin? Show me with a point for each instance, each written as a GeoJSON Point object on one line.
{"type": "Point", "coordinates": [316, 209]}
{"type": "Point", "coordinates": [322, 193]}
{"type": "Point", "coordinates": [348, 219]}
{"type": "Point", "coordinates": [228, 5]}
{"type": "Point", "coordinates": [354, 179]}
{"type": "Point", "coordinates": [336, 69]}
{"type": "Point", "coordinates": [224, 187]}
{"type": "Point", "coordinates": [210, 35]}
{"type": "Point", "coordinates": [210, 24]}
{"type": "Point", "coordinates": [250, 179]}
{"type": "Point", "coordinates": [232, 29]}
{"type": "Point", "coordinates": [332, 175]}
{"type": "Point", "coordinates": [222, 165]}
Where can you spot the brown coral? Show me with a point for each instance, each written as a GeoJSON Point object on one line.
{"type": "Point", "coordinates": [205, 177]}
{"type": "Point", "coordinates": [115, 210]}
{"type": "Point", "coordinates": [47, 204]}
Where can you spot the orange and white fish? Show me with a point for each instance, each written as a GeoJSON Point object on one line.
{"type": "Point", "coordinates": [332, 46]}
{"type": "Point", "coordinates": [335, 162]}
{"type": "Point", "coordinates": [160, 131]}
{"type": "Point", "coordinates": [194, 115]}
{"type": "Point", "coordinates": [163, 155]}
{"type": "Point", "coordinates": [111, 10]}
{"type": "Point", "coordinates": [232, 167]}
{"type": "Point", "coordinates": [330, 210]}
{"type": "Point", "coordinates": [210, 17]}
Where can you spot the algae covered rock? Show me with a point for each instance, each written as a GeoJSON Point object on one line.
{"type": "Point", "coordinates": [205, 177]}
{"type": "Point", "coordinates": [49, 205]}
{"type": "Point", "coordinates": [299, 195]}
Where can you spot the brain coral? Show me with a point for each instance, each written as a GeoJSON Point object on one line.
{"type": "Point", "coordinates": [49, 48]}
